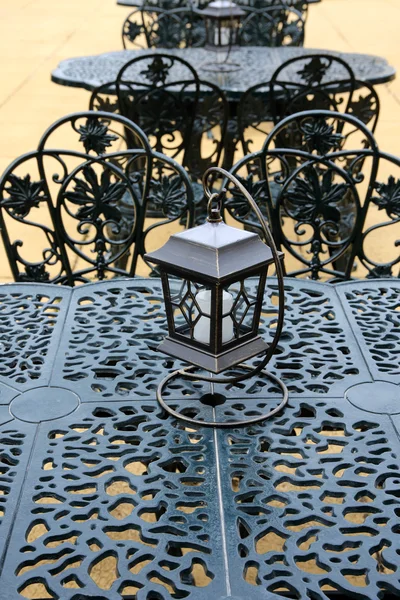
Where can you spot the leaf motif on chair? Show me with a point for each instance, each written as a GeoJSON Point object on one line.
{"type": "Point", "coordinates": [106, 104]}
{"type": "Point", "coordinates": [238, 205]}
{"type": "Point", "coordinates": [35, 273]}
{"type": "Point", "coordinates": [169, 194]}
{"type": "Point", "coordinates": [159, 113]}
{"type": "Point", "coordinates": [169, 33]}
{"type": "Point", "coordinates": [388, 197]}
{"type": "Point", "coordinates": [95, 136]}
{"type": "Point", "coordinates": [157, 71]}
{"type": "Point", "coordinates": [313, 196]}
{"type": "Point", "coordinates": [363, 108]}
{"type": "Point", "coordinates": [320, 136]}
{"type": "Point", "coordinates": [95, 197]}
{"type": "Point", "coordinates": [133, 30]}
{"type": "Point", "coordinates": [314, 71]}
{"type": "Point", "coordinates": [24, 195]}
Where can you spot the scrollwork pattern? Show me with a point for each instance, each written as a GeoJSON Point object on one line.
{"type": "Point", "coordinates": [90, 199]}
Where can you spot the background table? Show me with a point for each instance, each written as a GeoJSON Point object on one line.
{"type": "Point", "coordinates": [135, 3]}
{"type": "Point", "coordinates": [257, 66]}
{"type": "Point", "coordinates": [102, 496]}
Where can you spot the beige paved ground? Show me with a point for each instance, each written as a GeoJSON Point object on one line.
{"type": "Point", "coordinates": [36, 34]}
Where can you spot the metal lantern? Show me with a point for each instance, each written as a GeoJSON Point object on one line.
{"type": "Point", "coordinates": [213, 279]}
{"type": "Point", "coordinates": [222, 20]}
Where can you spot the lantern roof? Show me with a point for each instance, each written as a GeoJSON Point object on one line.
{"type": "Point", "coordinates": [214, 251]}
{"type": "Point", "coordinates": [221, 9]}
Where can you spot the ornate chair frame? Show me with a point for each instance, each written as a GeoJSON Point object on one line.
{"type": "Point", "coordinates": [103, 193]}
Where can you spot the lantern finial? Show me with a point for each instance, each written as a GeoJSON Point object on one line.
{"type": "Point", "coordinates": [214, 211]}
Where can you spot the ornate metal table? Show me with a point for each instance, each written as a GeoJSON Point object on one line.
{"type": "Point", "coordinates": [147, 3]}
{"type": "Point", "coordinates": [257, 66]}
{"type": "Point", "coordinates": [104, 497]}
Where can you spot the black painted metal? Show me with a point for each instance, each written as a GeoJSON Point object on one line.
{"type": "Point", "coordinates": [163, 28]}
{"type": "Point", "coordinates": [326, 189]}
{"type": "Point", "coordinates": [175, 109]}
{"type": "Point", "coordinates": [276, 26]}
{"type": "Point", "coordinates": [117, 501]}
{"type": "Point", "coordinates": [316, 81]}
{"type": "Point", "coordinates": [258, 64]}
{"type": "Point", "coordinates": [88, 202]}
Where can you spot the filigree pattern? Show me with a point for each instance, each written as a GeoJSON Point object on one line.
{"type": "Point", "coordinates": [169, 195]}
{"type": "Point", "coordinates": [313, 198]}
{"type": "Point", "coordinates": [116, 500]}
{"type": "Point", "coordinates": [95, 136]}
{"type": "Point", "coordinates": [157, 71]}
{"type": "Point", "coordinates": [15, 446]}
{"type": "Point", "coordinates": [161, 92]}
{"type": "Point", "coordinates": [320, 167]}
{"type": "Point", "coordinates": [388, 197]}
{"type": "Point", "coordinates": [30, 323]}
{"type": "Point", "coordinates": [122, 506]}
{"type": "Point", "coordinates": [314, 71]}
{"type": "Point", "coordinates": [373, 309]}
{"type": "Point", "coordinates": [315, 499]}
{"type": "Point", "coordinates": [23, 195]}
{"type": "Point", "coordinates": [320, 136]}
{"type": "Point", "coordinates": [125, 362]}
{"type": "Point", "coordinates": [162, 27]}
{"type": "Point", "coordinates": [259, 64]}
{"type": "Point", "coordinates": [96, 198]}
{"type": "Point", "coordinates": [88, 208]}
{"type": "Point", "coordinates": [271, 26]}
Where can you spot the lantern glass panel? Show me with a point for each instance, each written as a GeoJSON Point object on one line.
{"type": "Point", "coordinates": [191, 309]}
{"type": "Point", "coordinates": [244, 310]}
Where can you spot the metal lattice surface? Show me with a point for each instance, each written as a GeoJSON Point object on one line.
{"type": "Point", "coordinates": [258, 63]}
{"type": "Point", "coordinates": [104, 496]}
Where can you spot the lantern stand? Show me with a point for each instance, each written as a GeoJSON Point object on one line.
{"type": "Point", "coordinates": [212, 399]}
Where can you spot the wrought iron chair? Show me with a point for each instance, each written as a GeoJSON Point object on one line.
{"type": "Point", "coordinates": [324, 197]}
{"type": "Point", "coordinates": [272, 26]}
{"type": "Point", "coordinates": [87, 203]}
{"type": "Point", "coordinates": [160, 92]}
{"type": "Point", "coordinates": [155, 27]}
{"type": "Point", "coordinates": [315, 81]}
{"type": "Point", "coordinates": [208, 135]}
{"type": "Point", "coordinates": [178, 112]}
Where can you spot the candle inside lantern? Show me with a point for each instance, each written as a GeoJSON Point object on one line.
{"type": "Point", "coordinates": [202, 328]}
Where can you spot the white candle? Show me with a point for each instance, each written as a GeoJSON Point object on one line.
{"type": "Point", "coordinates": [202, 327]}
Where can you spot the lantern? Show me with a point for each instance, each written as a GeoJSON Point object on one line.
{"type": "Point", "coordinates": [222, 21]}
{"type": "Point", "coordinates": [213, 279]}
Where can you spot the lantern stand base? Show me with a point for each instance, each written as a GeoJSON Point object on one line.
{"type": "Point", "coordinates": [218, 399]}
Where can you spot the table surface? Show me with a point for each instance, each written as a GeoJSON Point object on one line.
{"type": "Point", "coordinates": [135, 3]}
{"type": "Point", "coordinates": [257, 64]}
{"type": "Point", "coordinates": [102, 496]}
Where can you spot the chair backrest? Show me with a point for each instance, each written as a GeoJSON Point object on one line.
{"type": "Point", "coordinates": [209, 130]}
{"type": "Point", "coordinates": [377, 249]}
{"type": "Point", "coordinates": [160, 93]}
{"type": "Point", "coordinates": [104, 98]}
{"type": "Point", "coordinates": [311, 82]}
{"type": "Point", "coordinates": [365, 104]}
{"type": "Point", "coordinates": [321, 196]}
{"type": "Point", "coordinates": [156, 27]}
{"type": "Point", "coordinates": [272, 26]}
{"type": "Point", "coordinates": [85, 194]}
